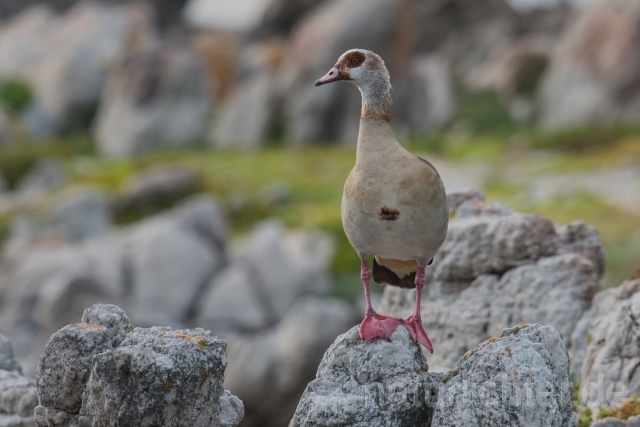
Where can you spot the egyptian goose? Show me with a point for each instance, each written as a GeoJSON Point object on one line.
{"type": "Point", "coordinates": [394, 205]}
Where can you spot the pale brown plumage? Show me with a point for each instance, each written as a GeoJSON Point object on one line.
{"type": "Point", "coordinates": [394, 204]}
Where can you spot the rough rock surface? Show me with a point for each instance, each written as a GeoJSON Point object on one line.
{"type": "Point", "coordinates": [108, 373]}
{"type": "Point", "coordinates": [497, 268]}
{"type": "Point", "coordinates": [161, 377]}
{"type": "Point", "coordinates": [65, 365]}
{"type": "Point", "coordinates": [519, 379]}
{"type": "Point", "coordinates": [111, 317]}
{"type": "Point", "coordinates": [613, 343]}
{"type": "Point", "coordinates": [379, 383]}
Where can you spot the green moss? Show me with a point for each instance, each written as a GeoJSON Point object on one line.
{"type": "Point", "coordinates": [586, 418]}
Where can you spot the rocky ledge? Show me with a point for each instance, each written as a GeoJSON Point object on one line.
{"type": "Point", "coordinates": [519, 379]}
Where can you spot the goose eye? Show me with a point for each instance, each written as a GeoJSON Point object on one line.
{"type": "Point", "coordinates": [354, 61]}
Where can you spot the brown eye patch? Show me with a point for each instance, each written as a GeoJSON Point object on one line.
{"type": "Point", "coordinates": [354, 59]}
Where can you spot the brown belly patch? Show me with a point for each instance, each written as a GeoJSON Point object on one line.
{"type": "Point", "coordinates": [388, 214]}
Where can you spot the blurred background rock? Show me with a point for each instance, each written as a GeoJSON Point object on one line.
{"type": "Point", "coordinates": [174, 157]}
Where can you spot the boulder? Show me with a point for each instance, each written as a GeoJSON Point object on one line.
{"type": "Point", "coordinates": [170, 268]}
{"type": "Point", "coordinates": [378, 383]}
{"type": "Point", "coordinates": [248, 116]}
{"type": "Point", "coordinates": [518, 379]}
{"type": "Point", "coordinates": [46, 282]}
{"type": "Point", "coordinates": [65, 365]}
{"type": "Point", "coordinates": [81, 214]}
{"type": "Point", "coordinates": [156, 188]}
{"type": "Point", "coordinates": [270, 370]}
{"type": "Point", "coordinates": [111, 317]}
{"type": "Point", "coordinates": [162, 377]}
{"type": "Point", "coordinates": [240, 16]}
{"type": "Point", "coordinates": [285, 265]}
{"type": "Point", "coordinates": [592, 73]}
{"type": "Point", "coordinates": [47, 285]}
{"type": "Point", "coordinates": [612, 345]}
{"type": "Point", "coordinates": [497, 268]}
{"type": "Point", "coordinates": [108, 373]}
{"type": "Point", "coordinates": [155, 99]}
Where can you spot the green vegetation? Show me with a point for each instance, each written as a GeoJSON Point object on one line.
{"type": "Point", "coordinates": [626, 409]}
{"type": "Point", "coordinates": [585, 419]}
{"type": "Point", "coordinates": [15, 95]}
{"type": "Point", "coordinates": [315, 176]}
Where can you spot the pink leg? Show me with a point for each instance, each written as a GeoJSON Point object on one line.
{"type": "Point", "coordinates": [374, 325]}
{"type": "Point", "coordinates": [414, 322]}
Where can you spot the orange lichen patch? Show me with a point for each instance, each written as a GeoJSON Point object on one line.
{"type": "Point", "coordinates": [508, 350]}
{"type": "Point", "coordinates": [466, 355]}
{"type": "Point", "coordinates": [85, 326]}
{"type": "Point", "coordinates": [626, 409]}
{"type": "Point", "coordinates": [492, 340]}
{"type": "Point", "coordinates": [515, 373]}
{"type": "Point", "coordinates": [224, 346]}
{"type": "Point", "coordinates": [167, 385]}
{"type": "Point", "coordinates": [202, 344]}
{"type": "Point", "coordinates": [523, 325]}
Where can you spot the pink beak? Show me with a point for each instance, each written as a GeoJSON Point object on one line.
{"type": "Point", "coordinates": [332, 76]}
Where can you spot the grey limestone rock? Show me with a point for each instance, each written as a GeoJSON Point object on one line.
{"type": "Point", "coordinates": [498, 268]}
{"type": "Point", "coordinates": [613, 343]}
{"type": "Point", "coordinates": [159, 376]}
{"type": "Point", "coordinates": [108, 374]}
{"type": "Point", "coordinates": [163, 254]}
{"type": "Point", "coordinates": [518, 379]}
{"type": "Point", "coordinates": [379, 383]}
{"type": "Point", "coordinates": [110, 316]}
{"type": "Point", "coordinates": [65, 365]}
{"type": "Point", "coordinates": [484, 244]}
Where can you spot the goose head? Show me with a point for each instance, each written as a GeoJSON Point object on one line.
{"type": "Point", "coordinates": [368, 72]}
